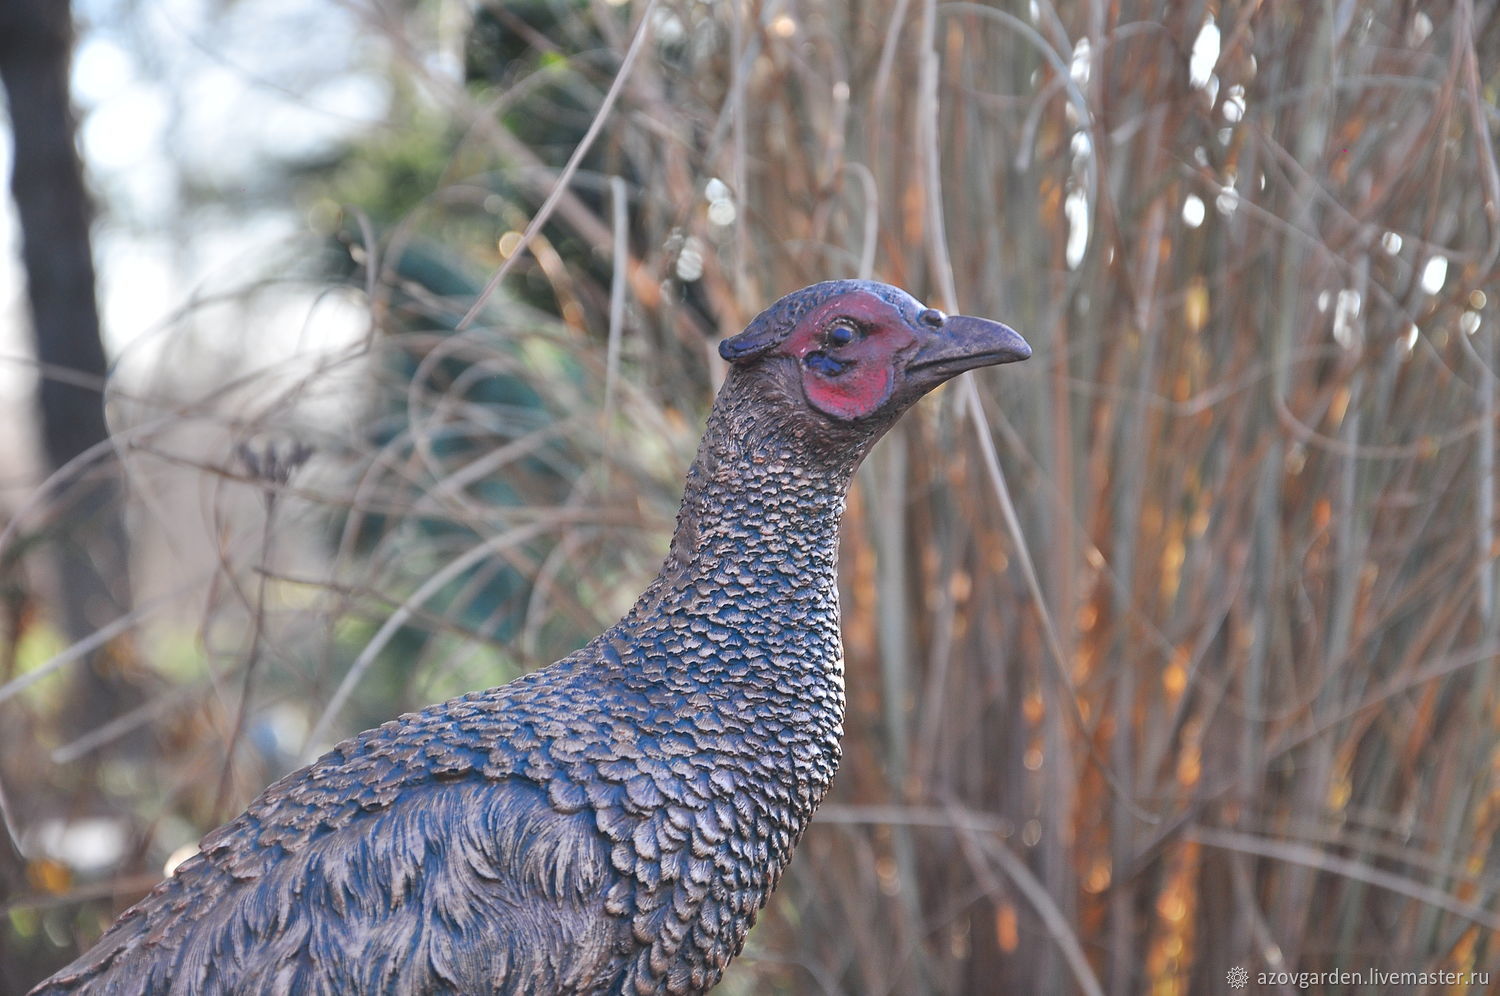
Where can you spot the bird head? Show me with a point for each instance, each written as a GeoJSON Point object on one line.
{"type": "Point", "coordinates": [858, 353]}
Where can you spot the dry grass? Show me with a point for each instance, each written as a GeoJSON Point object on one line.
{"type": "Point", "coordinates": [1197, 673]}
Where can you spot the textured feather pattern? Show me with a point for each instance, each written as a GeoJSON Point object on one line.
{"type": "Point", "coordinates": [612, 823]}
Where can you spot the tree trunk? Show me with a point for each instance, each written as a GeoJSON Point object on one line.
{"type": "Point", "coordinates": [86, 531]}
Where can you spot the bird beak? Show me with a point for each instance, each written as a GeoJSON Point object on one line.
{"type": "Point", "coordinates": [951, 344]}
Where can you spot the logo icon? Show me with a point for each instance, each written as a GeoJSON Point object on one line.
{"type": "Point", "coordinates": [1238, 977]}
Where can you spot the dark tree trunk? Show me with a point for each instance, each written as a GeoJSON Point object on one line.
{"type": "Point", "coordinates": [53, 205]}
{"type": "Point", "coordinates": [84, 532]}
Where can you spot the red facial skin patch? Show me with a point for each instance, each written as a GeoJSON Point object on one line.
{"type": "Point", "coordinates": [851, 381]}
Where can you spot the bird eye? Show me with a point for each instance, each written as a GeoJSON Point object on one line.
{"type": "Point", "coordinates": [840, 335]}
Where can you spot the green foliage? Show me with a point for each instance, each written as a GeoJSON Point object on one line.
{"type": "Point", "coordinates": [392, 172]}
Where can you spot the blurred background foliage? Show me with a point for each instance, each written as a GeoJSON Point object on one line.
{"type": "Point", "coordinates": [1170, 650]}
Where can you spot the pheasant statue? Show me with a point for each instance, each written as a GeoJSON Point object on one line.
{"type": "Point", "coordinates": [612, 823]}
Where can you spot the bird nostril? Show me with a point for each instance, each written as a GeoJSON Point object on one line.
{"type": "Point", "coordinates": [931, 316]}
